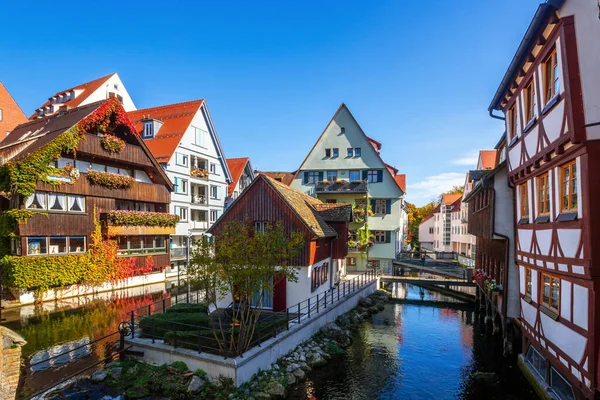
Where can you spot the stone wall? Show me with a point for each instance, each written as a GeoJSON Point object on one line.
{"type": "Point", "coordinates": [10, 362]}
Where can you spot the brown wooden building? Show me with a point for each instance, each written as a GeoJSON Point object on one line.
{"type": "Point", "coordinates": [325, 227]}
{"type": "Point", "coordinates": [90, 177]}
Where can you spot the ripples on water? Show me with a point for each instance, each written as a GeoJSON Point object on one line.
{"type": "Point", "coordinates": [412, 351]}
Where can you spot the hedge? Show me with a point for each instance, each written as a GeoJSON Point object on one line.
{"type": "Point", "coordinates": [189, 308]}
{"type": "Point", "coordinates": [173, 321]}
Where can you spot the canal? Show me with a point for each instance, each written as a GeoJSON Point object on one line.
{"type": "Point", "coordinates": [419, 351]}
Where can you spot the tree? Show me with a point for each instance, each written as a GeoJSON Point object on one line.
{"type": "Point", "coordinates": [455, 190]}
{"type": "Point", "coordinates": [247, 264]}
{"type": "Point", "coordinates": [415, 217]}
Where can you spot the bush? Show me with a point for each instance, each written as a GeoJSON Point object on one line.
{"type": "Point", "coordinates": [180, 366]}
{"type": "Point", "coordinates": [166, 322]}
{"type": "Point", "coordinates": [184, 308]}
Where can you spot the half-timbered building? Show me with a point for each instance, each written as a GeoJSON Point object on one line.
{"type": "Point", "coordinates": [324, 225]}
{"type": "Point", "coordinates": [550, 101]}
{"type": "Point", "coordinates": [99, 168]}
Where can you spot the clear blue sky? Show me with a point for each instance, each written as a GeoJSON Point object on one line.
{"type": "Point", "coordinates": [417, 75]}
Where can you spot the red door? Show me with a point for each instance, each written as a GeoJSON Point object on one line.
{"type": "Point", "coordinates": [279, 293]}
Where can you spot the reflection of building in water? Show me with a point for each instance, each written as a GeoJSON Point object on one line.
{"type": "Point", "coordinates": [66, 353]}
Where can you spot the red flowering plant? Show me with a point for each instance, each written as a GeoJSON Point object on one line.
{"type": "Point", "coordinates": [110, 181]}
{"type": "Point", "coordinates": [480, 277]}
{"type": "Point", "coordinates": [138, 218]}
{"type": "Point", "coordinates": [106, 117]}
{"type": "Point", "coordinates": [112, 144]}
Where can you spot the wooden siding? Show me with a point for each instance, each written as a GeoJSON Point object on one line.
{"type": "Point", "coordinates": [320, 250]}
{"type": "Point", "coordinates": [481, 212]}
{"type": "Point", "coordinates": [131, 154]}
{"type": "Point", "coordinates": [340, 244]}
{"type": "Point", "coordinates": [160, 260]}
{"type": "Point", "coordinates": [140, 191]}
{"type": "Point", "coordinates": [261, 203]}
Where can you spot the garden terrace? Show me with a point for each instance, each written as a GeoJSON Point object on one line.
{"type": "Point", "coordinates": [342, 186]}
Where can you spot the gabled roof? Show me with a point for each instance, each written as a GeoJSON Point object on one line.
{"type": "Point", "coordinates": [304, 206]}
{"type": "Point", "coordinates": [401, 181]}
{"type": "Point", "coordinates": [456, 205]}
{"type": "Point", "coordinates": [335, 212]}
{"type": "Point", "coordinates": [283, 177]}
{"type": "Point", "coordinates": [449, 199]}
{"type": "Point", "coordinates": [431, 214]}
{"type": "Point", "coordinates": [374, 143]}
{"type": "Point", "coordinates": [487, 159]}
{"type": "Point", "coordinates": [176, 119]}
{"type": "Point", "coordinates": [88, 88]}
{"type": "Point", "coordinates": [236, 167]}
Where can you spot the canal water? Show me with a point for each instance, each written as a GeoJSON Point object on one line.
{"type": "Point", "coordinates": [424, 345]}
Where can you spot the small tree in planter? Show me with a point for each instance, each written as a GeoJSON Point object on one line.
{"type": "Point", "coordinates": [244, 262]}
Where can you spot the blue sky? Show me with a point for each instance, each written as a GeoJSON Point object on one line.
{"type": "Point", "coordinates": [417, 75]}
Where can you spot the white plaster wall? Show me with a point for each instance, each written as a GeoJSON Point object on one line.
{"type": "Point", "coordinates": [102, 93]}
{"type": "Point", "coordinates": [424, 235]}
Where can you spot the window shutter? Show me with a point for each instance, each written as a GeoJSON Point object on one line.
{"type": "Point", "coordinates": [320, 176]}
{"type": "Point", "coordinates": [364, 175]}
{"type": "Point", "coordinates": [305, 177]}
{"type": "Point", "coordinates": [388, 206]}
{"type": "Point", "coordinates": [372, 201]}
{"type": "Point", "coordinates": [380, 176]}
{"type": "Point", "coordinates": [388, 236]}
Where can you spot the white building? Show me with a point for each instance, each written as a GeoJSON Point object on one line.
{"type": "Point", "coordinates": [87, 93]}
{"type": "Point", "coordinates": [345, 166]}
{"type": "Point", "coordinates": [183, 139]}
{"type": "Point", "coordinates": [242, 175]}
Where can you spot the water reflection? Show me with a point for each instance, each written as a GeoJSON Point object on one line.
{"type": "Point", "coordinates": [417, 351]}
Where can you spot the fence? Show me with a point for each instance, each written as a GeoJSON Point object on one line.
{"type": "Point", "coordinates": [214, 334]}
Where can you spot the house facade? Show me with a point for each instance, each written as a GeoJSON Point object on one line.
{"type": "Point", "coordinates": [90, 92]}
{"type": "Point", "coordinates": [75, 177]}
{"type": "Point", "coordinates": [183, 139]}
{"type": "Point", "coordinates": [491, 221]}
{"type": "Point", "coordinates": [552, 112]}
{"type": "Point", "coordinates": [11, 114]}
{"type": "Point", "coordinates": [242, 175]}
{"type": "Point", "coordinates": [325, 227]}
{"type": "Point", "coordinates": [345, 166]}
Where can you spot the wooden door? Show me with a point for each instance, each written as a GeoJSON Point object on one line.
{"type": "Point", "coordinates": [279, 293]}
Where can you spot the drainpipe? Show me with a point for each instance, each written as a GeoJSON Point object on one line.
{"type": "Point", "coordinates": [496, 116]}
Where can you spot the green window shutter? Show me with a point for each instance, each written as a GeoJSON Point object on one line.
{"type": "Point", "coordinates": [380, 176]}
{"type": "Point", "coordinates": [388, 206]}
{"type": "Point", "coordinates": [305, 177]}
{"type": "Point", "coordinates": [388, 236]}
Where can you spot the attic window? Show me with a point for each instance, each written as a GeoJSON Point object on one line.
{"type": "Point", "coordinates": [148, 129]}
{"type": "Point", "coordinates": [343, 130]}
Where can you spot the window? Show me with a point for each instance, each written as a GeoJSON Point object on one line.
{"type": "Point", "coordinates": [357, 152]}
{"type": "Point", "coordinates": [327, 153]}
{"type": "Point", "coordinates": [560, 385]}
{"type": "Point", "coordinates": [214, 192]}
{"type": "Point", "coordinates": [55, 202]}
{"type": "Point", "coordinates": [524, 199]}
{"type": "Point", "coordinates": [537, 361]}
{"type": "Point", "coordinates": [530, 105]}
{"type": "Point", "coordinates": [199, 136]}
{"type": "Point", "coordinates": [568, 187]}
{"type": "Point", "coordinates": [148, 129]}
{"type": "Point", "coordinates": [319, 275]}
{"type": "Point", "coordinates": [313, 177]}
{"type": "Point", "coordinates": [58, 245]}
{"type": "Point", "coordinates": [551, 78]}
{"type": "Point", "coordinates": [76, 203]}
{"type": "Point", "coordinates": [36, 246]}
{"type": "Point", "coordinates": [550, 291]}
{"type": "Point", "coordinates": [379, 236]}
{"type": "Point", "coordinates": [343, 130]}
{"type": "Point", "coordinates": [213, 168]}
{"type": "Point", "coordinates": [372, 176]}
{"type": "Point", "coordinates": [135, 245]}
{"type": "Point", "coordinates": [181, 186]}
{"type": "Point", "coordinates": [77, 244]}
{"type": "Point", "coordinates": [331, 176]}
{"type": "Point", "coordinates": [543, 194]}
{"type": "Point", "coordinates": [381, 206]}
{"type": "Point", "coordinates": [350, 260]}
{"type": "Point", "coordinates": [431, 230]}
{"type": "Point", "coordinates": [36, 201]}
{"type": "Point", "coordinates": [373, 264]}
{"type": "Point", "coordinates": [261, 226]}
{"type": "Point", "coordinates": [181, 159]}
{"type": "Point", "coordinates": [354, 176]}
{"type": "Point", "coordinates": [336, 152]}
{"type": "Point", "coordinates": [528, 282]}
{"type": "Point", "coordinates": [213, 215]}
{"type": "Point", "coordinates": [350, 152]}
{"type": "Point", "coordinates": [512, 120]}
{"type": "Point", "coordinates": [182, 212]}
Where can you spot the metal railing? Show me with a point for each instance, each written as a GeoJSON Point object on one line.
{"type": "Point", "coordinates": [178, 252]}
{"type": "Point", "coordinates": [210, 334]}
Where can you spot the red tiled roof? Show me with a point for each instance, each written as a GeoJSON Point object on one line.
{"type": "Point", "coordinates": [236, 168]}
{"type": "Point", "coordinates": [88, 88]}
{"type": "Point", "coordinates": [12, 115]}
{"type": "Point", "coordinates": [284, 177]}
{"type": "Point", "coordinates": [431, 214]}
{"type": "Point", "coordinates": [449, 199]}
{"type": "Point", "coordinates": [176, 119]}
{"type": "Point", "coordinates": [488, 159]}
{"type": "Point", "coordinates": [401, 181]}
{"type": "Point", "coordinates": [375, 143]}
{"type": "Point", "coordinates": [456, 204]}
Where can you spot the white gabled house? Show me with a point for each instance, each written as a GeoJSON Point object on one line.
{"type": "Point", "coordinates": [344, 166]}
{"type": "Point", "coordinates": [183, 139]}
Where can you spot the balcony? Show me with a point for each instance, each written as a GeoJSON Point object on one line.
{"type": "Point", "coordinates": [199, 173]}
{"type": "Point", "coordinates": [341, 187]}
{"type": "Point", "coordinates": [178, 253]}
{"type": "Point", "coordinates": [199, 225]}
{"type": "Point", "coordinates": [135, 223]}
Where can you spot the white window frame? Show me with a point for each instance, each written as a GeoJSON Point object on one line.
{"type": "Point", "coordinates": [148, 130]}
{"type": "Point", "coordinates": [184, 157]}
{"type": "Point", "coordinates": [179, 210]}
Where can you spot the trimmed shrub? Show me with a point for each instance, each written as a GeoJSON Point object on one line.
{"type": "Point", "coordinates": [183, 308]}
{"type": "Point", "coordinates": [166, 322]}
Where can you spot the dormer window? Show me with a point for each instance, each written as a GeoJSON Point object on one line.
{"type": "Point", "coordinates": [148, 129]}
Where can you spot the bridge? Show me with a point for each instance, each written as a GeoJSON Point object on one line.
{"type": "Point", "coordinates": [418, 280]}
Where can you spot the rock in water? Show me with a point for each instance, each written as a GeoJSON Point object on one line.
{"type": "Point", "coordinates": [365, 302]}
{"type": "Point", "coordinates": [316, 360]}
{"type": "Point", "coordinates": [275, 390]}
{"type": "Point", "coordinates": [99, 376]}
{"type": "Point", "coordinates": [196, 384]}
{"type": "Point", "coordinates": [291, 379]}
{"type": "Point", "coordinates": [299, 374]}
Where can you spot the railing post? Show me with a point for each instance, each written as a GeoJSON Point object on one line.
{"type": "Point", "coordinates": [287, 318]}
{"type": "Point", "coordinates": [132, 325]}
{"type": "Point", "coordinates": [332, 295]}
{"type": "Point", "coordinates": [149, 309]}
{"type": "Point", "coordinates": [325, 298]}
{"type": "Point", "coordinates": [199, 339]}
{"type": "Point", "coordinates": [122, 345]}
{"type": "Point", "coordinates": [317, 303]}
{"type": "Point", "coordinates": [298, 312]}
{"type": "Point", "coordinates": [344, 289]}
{"type": "Point", "coordinates": [164, 305]}
{"type": "Point", "coordinates": [309, 308]}
{"type": "Point", "coordinates": [153, 329]}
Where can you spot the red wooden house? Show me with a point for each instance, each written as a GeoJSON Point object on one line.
{"type": "Point", "coordinates": [551, 104]}
{"type": "Point", "coordinates": [325, 227]}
